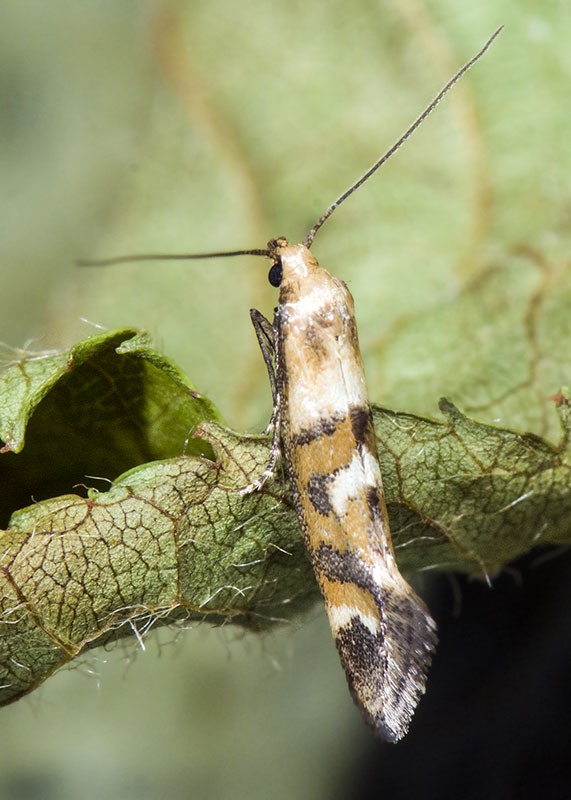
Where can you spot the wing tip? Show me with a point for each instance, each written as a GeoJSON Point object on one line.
{"type": "Point", "coordinates": [387, 671]}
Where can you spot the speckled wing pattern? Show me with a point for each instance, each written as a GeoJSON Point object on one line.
{"type": "Point", "coordinates": [383, 631]}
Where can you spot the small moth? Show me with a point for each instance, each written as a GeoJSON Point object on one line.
{"type": "Point", "coordinates": [383, 631]}
{"type": "Point", "coordinates": [322, 425]}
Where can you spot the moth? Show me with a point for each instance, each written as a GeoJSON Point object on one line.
{"type": "Point", "coordinates": [322, 427]}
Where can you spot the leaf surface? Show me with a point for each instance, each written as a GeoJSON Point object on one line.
{"type": "Point", "coordinates": [173, 539]}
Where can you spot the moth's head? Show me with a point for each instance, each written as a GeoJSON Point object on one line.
{"type": "Point", "coordinates": [290, 262]}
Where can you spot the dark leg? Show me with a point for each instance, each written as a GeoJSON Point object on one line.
{"type": "Point", "coordinates": [265, 334]}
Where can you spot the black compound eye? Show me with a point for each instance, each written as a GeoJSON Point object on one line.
{"type": "Point", "coordinates": [275, 274]}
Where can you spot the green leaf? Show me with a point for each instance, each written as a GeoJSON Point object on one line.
{"type": "Point", "coordinates": [170, 540]}
{"type": "Point", "coordinates": [175, 540]}
{"type": "Point", "coordinates": [500, 347]}
{"type": "Point", "coordinates": [471, 497]}
{"type": "Point", "coordinates": [109, 403]}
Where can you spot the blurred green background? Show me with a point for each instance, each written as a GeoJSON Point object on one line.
{"type": "Point", "coordinates": [132, 126]}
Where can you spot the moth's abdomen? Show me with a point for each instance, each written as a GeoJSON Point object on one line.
{"type": "Point", "coordinates": [383, 631]}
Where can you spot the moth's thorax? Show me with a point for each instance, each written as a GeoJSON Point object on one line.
{"type": "Point", "coordinates": [308, 290]}
{"type": "Point", "coordinates": [319, 341]}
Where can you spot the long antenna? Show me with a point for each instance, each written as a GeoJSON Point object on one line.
{"type": "Point", "coordinates": [106, 262]}
{"type": "Point", "coordinates": [409, 131]}
{"type": "Point", "coordinates": [308, 241]}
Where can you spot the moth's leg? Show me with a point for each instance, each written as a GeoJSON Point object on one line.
{"type": "Point", "coordinates": [265, 334]}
